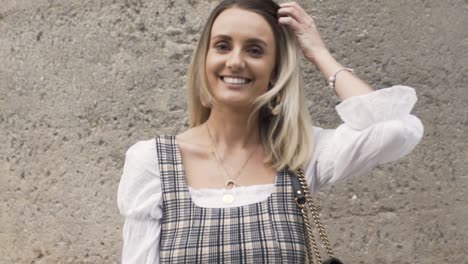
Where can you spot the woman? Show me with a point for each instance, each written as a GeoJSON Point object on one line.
{"type": "Point", "coordinates": [220, 191]}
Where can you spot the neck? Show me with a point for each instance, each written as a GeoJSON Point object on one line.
{"type": "Point", "coordinates": [230, 131]}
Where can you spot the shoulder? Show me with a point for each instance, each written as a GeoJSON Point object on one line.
{"type": "Point", "coordinates": [142, 148]}
{"type": "Point", "coordinates": [141, 164]}
{"type": "Point", "coordinates": [193, 134]}
{"type": "Point", "coordinates": [140, 180]}
{"type": "Point", "coordinates": [193, 141]}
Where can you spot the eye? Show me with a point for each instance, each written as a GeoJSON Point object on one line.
{"type": "Point", "coordinates": [222, 46]}
{"type": "Point", "coordinates": [255, 51]}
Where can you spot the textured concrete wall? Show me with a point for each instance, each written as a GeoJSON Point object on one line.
{"type": "Point", "coordinates": [81, 81]}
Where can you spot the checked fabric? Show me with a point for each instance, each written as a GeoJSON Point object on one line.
{"type": "Point", "coordinates": [270, 231]}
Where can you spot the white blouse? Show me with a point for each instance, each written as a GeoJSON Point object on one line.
{"type": "Point", "coordinates": [377, 128]}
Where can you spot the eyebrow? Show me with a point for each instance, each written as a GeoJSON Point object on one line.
{"type": "Point", "coordinates": [250, 40]}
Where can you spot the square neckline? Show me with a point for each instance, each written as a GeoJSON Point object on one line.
{"type": "Point", "coordinates": [186, 187]}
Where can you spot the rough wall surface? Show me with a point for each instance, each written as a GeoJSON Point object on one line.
{"type": "Point", "coordinates": [81, 81]}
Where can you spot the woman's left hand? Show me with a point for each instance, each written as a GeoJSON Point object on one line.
{"type": "Point", "coordinates": [294, 16]}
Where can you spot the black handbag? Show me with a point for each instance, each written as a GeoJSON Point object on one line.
{"type": "Point", "coordinates": [306, 204]}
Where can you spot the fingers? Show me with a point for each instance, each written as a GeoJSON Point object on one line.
{"type": "Point", "coordinates": [291, 22]}
{"type": "Point", "coordinates": [293, 16]}
{"type": "Point", "coordinates": [293, 11]}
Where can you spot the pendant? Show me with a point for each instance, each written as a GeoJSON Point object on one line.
{"type": "Point", "coordinates": [230, 184]}
{"type": "Point", "coordinates": [228, 198]}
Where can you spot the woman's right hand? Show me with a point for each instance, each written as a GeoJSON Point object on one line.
{"type": "Point", "coordinates": [295, 17]}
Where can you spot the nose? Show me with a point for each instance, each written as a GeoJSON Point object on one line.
{"type": "Point", "coordinates": [235, 61]}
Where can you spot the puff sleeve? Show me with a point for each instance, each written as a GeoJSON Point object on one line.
{"type": "Point", "coordinates": [377, 128]}
{"type": "Point", "coordinates": [139, 199]}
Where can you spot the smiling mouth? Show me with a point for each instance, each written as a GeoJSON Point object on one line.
{"type": "Point", "coordinates": [235, 80]}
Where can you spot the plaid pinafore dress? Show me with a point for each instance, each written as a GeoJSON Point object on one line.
{"type": "Point", "coordinates": [270, 231]}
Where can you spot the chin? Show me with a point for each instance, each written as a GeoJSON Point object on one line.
{"type": "Point", "coordinates": [234, 101]}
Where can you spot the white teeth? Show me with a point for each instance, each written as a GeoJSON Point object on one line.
{"type": "Point", "coordinates": [235, 80]}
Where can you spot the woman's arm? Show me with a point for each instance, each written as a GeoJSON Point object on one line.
{"type": "Point", "coordinates": [139, 200]}
{"type": "Point", "coordinates": [378, 126]}
{"type": "Point", "coordinates": [347, 84]}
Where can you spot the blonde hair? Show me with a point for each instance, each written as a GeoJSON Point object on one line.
{"type": "Point", "coordinates": [286, 135]}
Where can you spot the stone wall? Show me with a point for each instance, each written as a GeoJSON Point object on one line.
{"type": "Point", "coordinates": [81, 81]}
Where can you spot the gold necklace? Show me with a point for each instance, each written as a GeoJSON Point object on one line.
{"type": "Point", "coordinates": [228, 197]}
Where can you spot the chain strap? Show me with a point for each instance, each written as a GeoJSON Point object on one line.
{"type": "Point", "coordinates": [310, 239]}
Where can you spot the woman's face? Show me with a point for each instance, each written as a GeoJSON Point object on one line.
{"type": "Point", "coordinates": [240, 58]}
